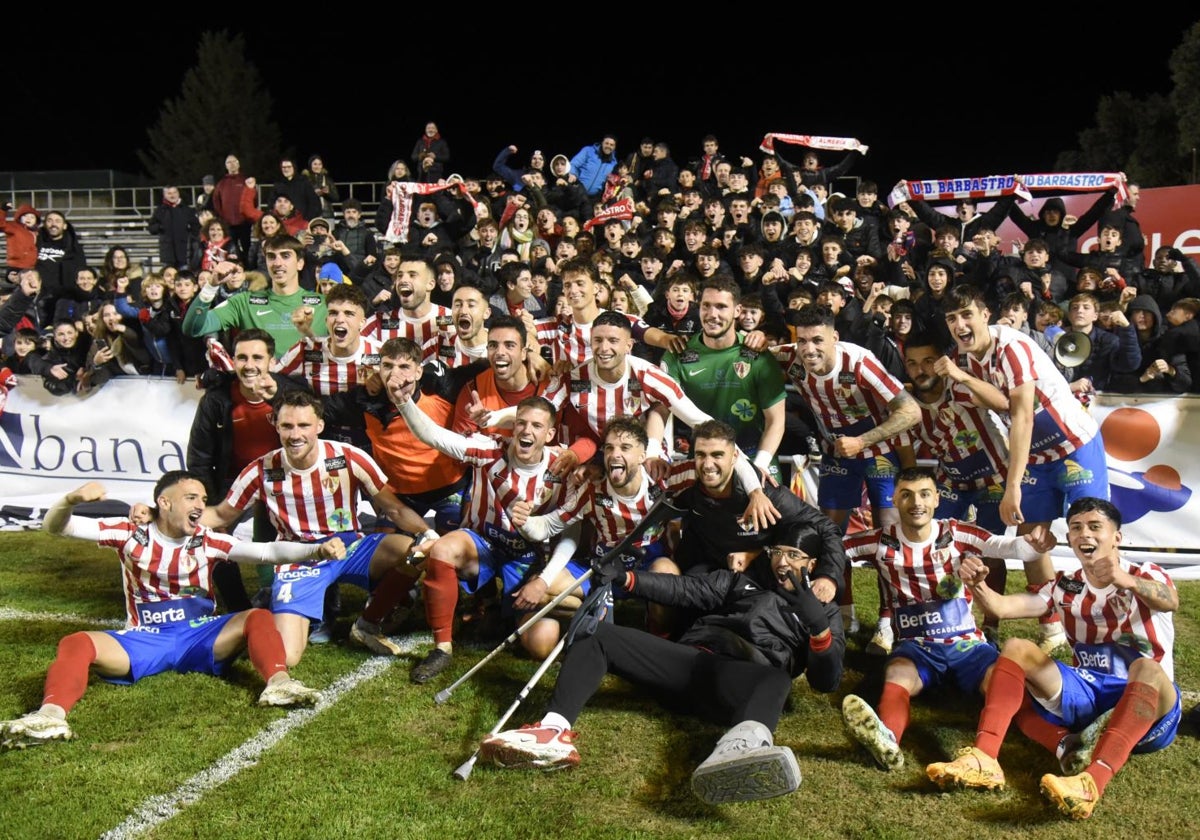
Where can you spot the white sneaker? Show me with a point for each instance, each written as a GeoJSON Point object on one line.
{"type": "Point", "coordinates": [371, 637]}
{"type": "Point", "coordinates": [865, 727]}
{"type": "Point", "coordinates": [33, 729]}
{"type": "Point", "coordinates": [289, 692]}
{"type": "Point", "coordinates": [881, 643]}
{"type": "Point", "coordinates": [532, 747]}
{"type": "Point", "coordinates": [1079, 746]}
{"type": "Point", "coordinates": [1053, 637]}
{"type": "Point", "coordinates": [746, 765]}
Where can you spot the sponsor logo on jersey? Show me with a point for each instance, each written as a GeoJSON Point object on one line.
{"type": "Point", "coordinates": [689, 357]}
{"type": "Point", "coordinates": [257, 300]}
{"type": "Point", "coordinates": [336, 463]}
{"type": "Point", "coordinates": [313, 356]}
{"type": "Point", "coordinates": [888, 541]}
{"type": "Point", "coordinates": [1070, 585]}
{"type": "Point", "coordinates": [140, 536]}
{"type": "Point", "coordinates": [369, 359]}
{"type": "Point", "coordinates": [580, 386]}
{"type": "Point", "coordinates": [311, 300]}
{"type": "Point", "coordinates": [276, 474]}
{"type": "Point", "coordinates": [846, 379]}
{"type": "Point", "coordinates": [443, 320]}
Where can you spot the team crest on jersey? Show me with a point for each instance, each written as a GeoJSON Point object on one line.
{"type": "Point", "coordinates": [580, 386]}
{"type": "Point", "coordinates": [337, 463]}
{"type": "Point", "coordinates": [257, 300]}
{"type": "Point", "coordinates": [1070, 585]}
{"type": "Point", "coordinates": [941, 556]}
{"type": "Point", "coordinates": [188, 563]}
{"type": "Point", "coordinates": [742, 369]}
{"type": "Point", "coordinates": [946, 415]}
{"type": "Point", "coordinates": [314, 356]}
{"type": "Point", "coordinates": [331, 482]}
{"type": "Point", "coordinates": [311, 300]}
{"type": "Point", "coordinates": [689, 357]}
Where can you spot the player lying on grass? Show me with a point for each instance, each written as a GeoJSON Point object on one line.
{"type": "Point", "coordinates": [171, 621]}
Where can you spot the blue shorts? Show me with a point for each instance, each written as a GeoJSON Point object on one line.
{"type": "Point", "coordinates": [1088, 694]}
{"type": "Point", "coordinates": [841, 481]}
{"type": "Point", "coordinates": [963, 663]}
{"type": "Point", "coordinates": [1048, 489]}
{"type": "Point", "coordinates": [302, 591]}
{"type": "Point", "coordinates": [512, 568]}
{"type": "Point", "coordinates": [184, 647]}
{"type": "Point", "coordinates": [956, 504]}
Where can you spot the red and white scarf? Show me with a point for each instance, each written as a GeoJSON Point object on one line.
{"type": "Point", "coordinates": [401, 193]}
{"type": "Point", "coordinates": [812, 141]}
{"type": "Point", "coordinates": [622, 210]}
{"type": "Point", "coordinates": [994, 186]}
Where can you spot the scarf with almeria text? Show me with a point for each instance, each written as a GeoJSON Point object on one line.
{"type": "Point", "coordinates": [812, 141]}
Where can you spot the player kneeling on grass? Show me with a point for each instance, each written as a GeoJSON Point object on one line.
{"type": "Point", "coordinates": [1117, 698]}
{"type": "Point", "coordinates": [171, 625]}
{"type": "Point", "coordinates": [759, 628]}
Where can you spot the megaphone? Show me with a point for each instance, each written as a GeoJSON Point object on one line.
{"type": "Point", "coordinates": [1072, 349]}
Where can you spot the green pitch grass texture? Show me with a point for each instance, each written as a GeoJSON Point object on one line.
{"type": "Point", "coordinates": [379, 761]}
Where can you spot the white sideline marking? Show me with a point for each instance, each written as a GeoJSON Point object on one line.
{"type": "Point", "coordinates": [158, 809]}
{"type": "Point", "coordinates": [9, 614]}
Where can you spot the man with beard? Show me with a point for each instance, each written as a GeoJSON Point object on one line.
{"type": "Point", "coordinates": [469, 312]}
{"type": "Point", "coordinates": [414, 316]}
{"type": "Point", "coordinates": [271, 310]}
{"type": "Point", "coordinates": [726, 379]}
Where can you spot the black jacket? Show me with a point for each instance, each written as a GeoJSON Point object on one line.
{"type": "Point", "coordinates": [743, 616]}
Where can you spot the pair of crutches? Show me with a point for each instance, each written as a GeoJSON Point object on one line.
{"type": "Point", "coordinates": [661, 511]}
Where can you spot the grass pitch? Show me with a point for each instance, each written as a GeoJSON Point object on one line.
{"type": "Point", "coordinates": [378, 761]}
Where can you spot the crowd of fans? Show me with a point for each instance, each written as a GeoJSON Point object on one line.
{"type": "Point", "coordinates": [655, 229]}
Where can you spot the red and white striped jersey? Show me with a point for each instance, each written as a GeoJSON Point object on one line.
{"type": "Point", "coordinates": [309, 505]}
{"type": "Point", "coordinates": [454, 353]}
{"type": "Point", "coordinates": [642, 386]}
{"type": "Point", "coordinates": [427, 332]}
{"type": "Point", "coordinates": [155, 568]}
{"type": "Point", "coordinates": [967, 442]}
{"type": "Point", "coordinates": [311, 359]}
{"type": "Point", "coordinates": [615, 515]}
{"type": "Point", "coordinates": [496, 484]}
{"type": "Point", "coordinates": [852, 398]}
{"type": "Point", "coordinates": [573, 341]}
{"type": "Point", "coordinates": [1060, 425]}
{"type": "Point", "coordinates": [1098, 617]}
{"type": "Point", "coordinates": [916, 574]}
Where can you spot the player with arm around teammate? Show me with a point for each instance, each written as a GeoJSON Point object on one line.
{"type": "Point", "coordinates": [171, 621]}
{"type": "Point", "coordinates": [918, 564]}
{"type": "Point", "coordinates": [1119, 619]}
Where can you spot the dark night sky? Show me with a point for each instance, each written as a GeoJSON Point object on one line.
{"type": "Point", "coordinates": [944, 98]}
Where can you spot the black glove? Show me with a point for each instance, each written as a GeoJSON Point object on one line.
{"type": "Point", "coordinates": [1175, 254]}
{"type": "Point", "coordinates": [809, 611]}
{"type": "Point", "coordinates": [611, 567]}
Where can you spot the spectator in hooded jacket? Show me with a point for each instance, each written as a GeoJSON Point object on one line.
{"type": "Point", "coordinates": [298, 190]}
{"type": "Point", "coordinates": [1161, 372]}
{"type": "Point", "coordinates": [20, 235]}
{"type": "Point", "coordinates": [593, 164]}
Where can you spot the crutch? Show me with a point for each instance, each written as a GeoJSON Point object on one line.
{"type": "Point", "coordinates": [467, 766]}
{"type": "Point", "coordinates": [660, 511]}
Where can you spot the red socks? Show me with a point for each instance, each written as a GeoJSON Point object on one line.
{"type": "Point", "coordinates": [1135, 713]}
{"type": "Point", "coordinates": [68, 675]}
{"type": "Point", "coordinates": [264, 645]}
{"type": "Point", "coordinates": [441, 597]}
{"type": "Point", "coordinates": [1004, 696]}
{"type": "Point", "coordinates": [894, 707]}
{"type": "Point", "coordinates": [1037, 728]}
{"type": "Point", "coordinates": [391, 590]}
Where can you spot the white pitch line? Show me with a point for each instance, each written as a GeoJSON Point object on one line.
{"type": "Point", "coordinates": [9, 614]}
{"type": "Point", "coordinates": [158, 809]}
